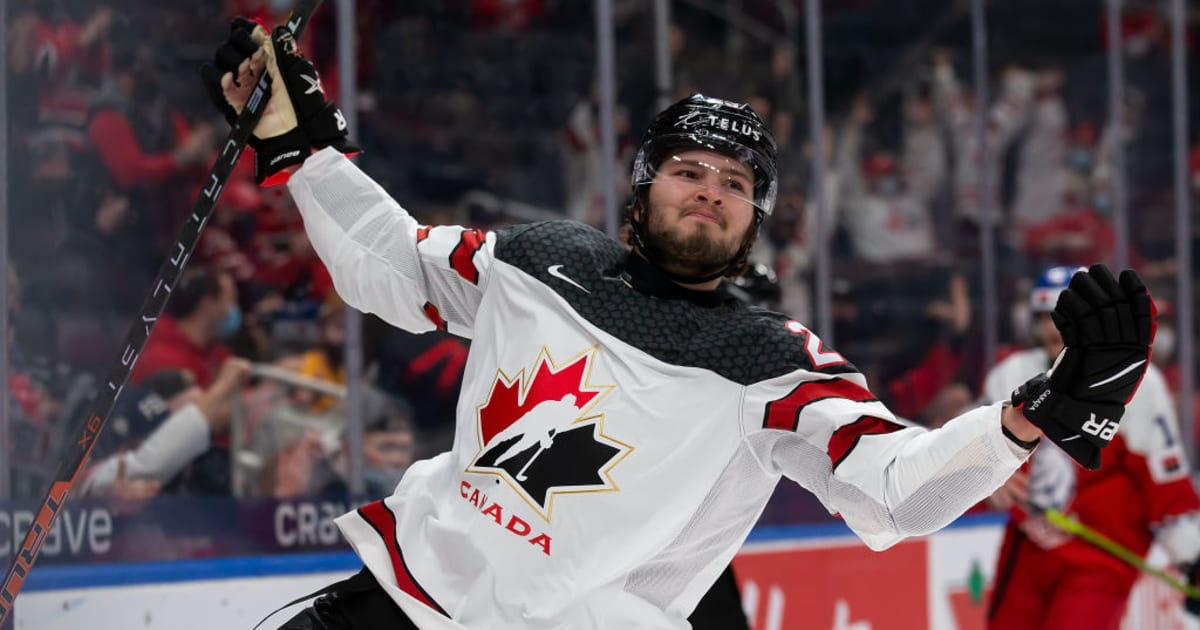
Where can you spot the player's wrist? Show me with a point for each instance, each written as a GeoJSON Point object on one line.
{"type": "Point", "coordinates": [1018, 428]}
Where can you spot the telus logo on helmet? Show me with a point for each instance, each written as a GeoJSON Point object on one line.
{"type": "Point", "coordinates": [695, 119]}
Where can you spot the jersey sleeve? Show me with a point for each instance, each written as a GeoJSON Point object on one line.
{"type": "Point", "coordinates": [1156, 461]}
{"type": "Point", "coordinates": [382, 260]}
{"type": "Point", "coordinates": [886, 478]}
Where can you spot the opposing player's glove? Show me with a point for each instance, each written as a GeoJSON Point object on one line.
{"type": "Point", "coordinates": [298, 119]}
{"type": "Point", "coordinates": [1107, 328]}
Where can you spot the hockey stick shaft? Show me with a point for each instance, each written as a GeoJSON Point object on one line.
{"type": "Point", "coordinates": [1116, 549]}
{"type": "Point", "coordinates": [88, 429]}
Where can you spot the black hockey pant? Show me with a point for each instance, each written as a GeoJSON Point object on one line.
{"type": "Point", "coordinates": [357, 603]}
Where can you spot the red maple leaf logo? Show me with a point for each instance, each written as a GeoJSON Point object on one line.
{"type": "Point", "coordinates": [511, 399]}
{"type": "Point", "coordinates": [539, 432]}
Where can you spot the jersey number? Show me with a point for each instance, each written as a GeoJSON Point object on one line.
{"type": "Point", "coordinates": [818, 355]}
{"type": "Point", "coordinates": [1166, 429]}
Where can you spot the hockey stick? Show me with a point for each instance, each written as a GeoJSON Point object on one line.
{"type": "Point", "coordinates": [1087, 534]}
{"type": "Point", "coordinates": [88, 430]}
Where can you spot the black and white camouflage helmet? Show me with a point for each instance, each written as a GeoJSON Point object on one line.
{"type": "Point", "coordinates": [713, 124]}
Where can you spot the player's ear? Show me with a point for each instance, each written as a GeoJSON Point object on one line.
{"type": "Point", "coordinates": [633, 209]}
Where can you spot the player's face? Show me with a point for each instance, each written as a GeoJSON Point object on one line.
{"type": "Point", "coordinates": [701, 210]}
{"type": "Point", "coordinates": [1048, 333]}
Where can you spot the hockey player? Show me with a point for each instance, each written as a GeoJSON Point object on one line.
{"type": "Point", "coordinates": [690, 406]}
{"type": "Point", "coordinates": [1141, 493]}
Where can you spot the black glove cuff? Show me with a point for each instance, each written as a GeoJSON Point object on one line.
{"type": "Point", "coordinates": [1080, 428]}
{"type": "Point", "coordinates": [272, 155]}
{"type": "Point", "coordinates": [1029, 446]}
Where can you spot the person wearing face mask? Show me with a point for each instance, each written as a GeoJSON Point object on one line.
{"type": "Point", "coordinates": [1140, 494]}
{"type": "Point", "coordinates": [315, 465]}
{"type": "Point", "coordinates": [388, 446]}
{"type": "Point", "coordinates": [201, 315]}
{"type": "Point", "coordinates": [885, 221]}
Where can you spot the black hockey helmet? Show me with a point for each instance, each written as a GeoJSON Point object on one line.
{"type": "Point", "coordinates": [758, 286]}
{"type": "Point", "coordinates": [713, 124]}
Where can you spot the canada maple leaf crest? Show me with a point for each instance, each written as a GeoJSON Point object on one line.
{"type": "Point", "coordinates": [541, 432]}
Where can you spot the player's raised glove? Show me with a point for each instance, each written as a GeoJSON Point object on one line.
{"type": "Point", "coordinates": [1107, 328]}
{"type": "Point", "coordinates": [298, 120]}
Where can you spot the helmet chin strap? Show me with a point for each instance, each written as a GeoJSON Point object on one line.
{"type": "Point", "coordinates": [644, 244]}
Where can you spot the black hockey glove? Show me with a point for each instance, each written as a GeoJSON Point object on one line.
{"type": "Point", "coordinates": [298, 120]}
{"type": "Point", "coordinates": [1107, 328]}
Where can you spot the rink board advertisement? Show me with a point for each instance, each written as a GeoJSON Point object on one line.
{"type": "Point", "coordinates": [792, 578]}
{"type": "Point", "coordinates": [91, 532]}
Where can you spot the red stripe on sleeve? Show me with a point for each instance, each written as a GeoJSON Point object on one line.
{"type": "Point", "coordinates": [384, 522]}
{"type": "Point", "coordinates": [784, 413]}
{"type": "Point", "coordinates": [463, 254]}
{"type": "Point", "coordinates": [435, 316]}
{"type": "Point", "coordinates": [845, 438]}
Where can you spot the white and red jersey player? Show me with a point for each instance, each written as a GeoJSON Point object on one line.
{"type": "Point", "coordinates": [617, 434]}
{"type": "Point", "coordinates": [1142, 493]}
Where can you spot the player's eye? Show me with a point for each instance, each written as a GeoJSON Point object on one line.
{"type": "Point", "coordinates": [736, 185]}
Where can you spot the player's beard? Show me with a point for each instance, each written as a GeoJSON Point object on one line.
{"type": "Point", "coordinates": [691, 251]}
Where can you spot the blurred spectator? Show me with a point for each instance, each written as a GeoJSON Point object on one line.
{"type": "Point", "coordinates": [886, 221]}
{"type": "Point", "coordinates": [32, 409]}
{"type": "Point", "coordinates": [144, 147]}
{"type": "Point", "coordinates": [930, 392]}
{"type": "Point", "coordinates": [787, 249]}
{"type": "Point", "coordinates": [158, 429]}
{"type": "Point", "coordinates": [327, 361]}
{"type": "Point", "coordinates": [261, 305]}
{"type": "Point", "coordinates": [202, 312]}
{"type": "Point", "coordinates": [1005, 118]}
{"type": "Point", "coordinates": [1143, 28]}
{"type": "Point", "coordinates": [63, 56]}
{"type": "Point", "coordinates": [1042, 162]}
{"type": "Point", "coordinates": [427, 370]}
{"type": "Point", "coordinates": [924, 160]}
{"type": "Point", "coordinates": [583, 159]}
{"type": "Point", "coordinates": [1079, 237]}
{"type": "Point", "coordinates": [310, 468]}
{"type": "Point", "coordinates": [506, 14]}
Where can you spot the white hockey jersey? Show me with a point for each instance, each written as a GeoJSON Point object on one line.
{"type": "Point", "coordinates": [617, 435]}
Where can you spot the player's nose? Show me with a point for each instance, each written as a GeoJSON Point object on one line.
{"type": "Point", "coordinates": [709, 194]}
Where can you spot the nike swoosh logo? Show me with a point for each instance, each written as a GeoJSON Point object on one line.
{"type": "Point", "coordinates": [1073, 437]}
{"type": "Point", "coordinates": [556, 271]}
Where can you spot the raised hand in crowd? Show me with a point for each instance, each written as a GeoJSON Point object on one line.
{"type": "Point", "coordinates": [215, 403]}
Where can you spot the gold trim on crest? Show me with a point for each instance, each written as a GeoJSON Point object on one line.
{"type": "Point", "coordinates": [585, 415]}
